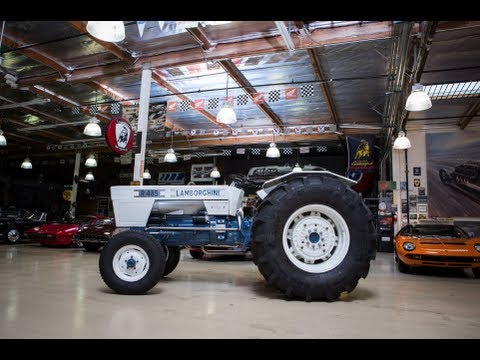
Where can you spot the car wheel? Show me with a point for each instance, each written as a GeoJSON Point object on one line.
{"type": "Point", "coordinates": [172, 258]}
{"type": "Point", "coordinates": [476, 273]}
{"type": "Point", "coordinates": [196, 254]}
{"type": "Point", "coordinates": [91, 247]}
{"type": "Point", "coordinates": [13, 235]}
{"type": "Point", "coordinates": [402, 267]}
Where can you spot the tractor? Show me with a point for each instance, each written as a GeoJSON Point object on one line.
{"type": "Point", "coordinates": [311, 236]}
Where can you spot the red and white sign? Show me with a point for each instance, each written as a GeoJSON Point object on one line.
{"type": "Point", "coordinates": [172, 106]}
{"type": "Point", "coordinates": [119, 135]}
{"type": "Point", "coordinates": [291, 93]}
{"type": "Point", "coordinates": [258, 98]}
{"type": "Point", "coordinates": [199, 104]}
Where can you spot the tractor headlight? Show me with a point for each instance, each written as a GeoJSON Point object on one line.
{"type": "Point", "coordinates": [477, 247]}
{"type": "Point", "coordinates": [409, 246]}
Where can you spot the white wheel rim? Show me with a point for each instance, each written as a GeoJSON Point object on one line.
{"type": "Point", "coordinates": [131, 263]}
{"type": "Point", "coordinates": [13, 235]}
{"type": "Point", "coordinates": [316, 238]}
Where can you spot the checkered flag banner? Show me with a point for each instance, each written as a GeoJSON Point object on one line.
{"type": "Point", "coordinates": [256, 151]}
{"type": "Point", "coordinates": [115, 108]}
{"type": "Point", "coordinates": [227, 152]}
{"type": "Point", "coordinates": [213, 103]}
{"type": "Point", "coordinates": [184, 105]}
{"type": "Point", "coordinates": [75, 110]}
{"type": "Point", "coordinates": [321, 149]}
{"type": "Point", "coordinates": [199, 154]}
{"type": "Point", "coordinates": [149, 161]}
{"type": "Point", "coordinates": [274, 96]}
{"type": "Point", "coordinates": [287, 151]}
{"type": "Point", "coordinates": [306, 90]}
{"type": "Point", "coordinates": [242, 100]}
{"type": "Point", "coordinates": [321, 129]}
{"type": "Point", "coordinates": [93, 110]}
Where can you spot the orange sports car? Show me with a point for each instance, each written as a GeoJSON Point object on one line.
{"type": "Point", "coordinates": [439, 245]}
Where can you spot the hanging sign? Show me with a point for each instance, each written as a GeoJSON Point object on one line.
{"type": "Point", "coordinates": [119, 135]}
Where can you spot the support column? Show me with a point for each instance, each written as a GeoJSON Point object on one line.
{"type": "Point", "coordinates": [76, 173]}
{"type": "Point", "coordinates": [142, 126]}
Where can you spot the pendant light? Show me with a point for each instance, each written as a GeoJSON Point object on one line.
{"type": "Point", "coordinates": [401, 142]}
{"type": "Point", "coordinates": [3, 141]}
{"type": "Point", "coordinates": [146, 174]}
{"type": "Point", "coordinates": [26, 164]}
{"type": "Point", "coordinates": [92, 128]}
{"type": "Point", "coordinates": [418, 100]}
{"type": "Point", "coordinates": [273, 151]}
{"type": "Point", "coordinates": [89, 176]}
{"type": "Point", "coordinates": [91, 162]}
{"type": "Point", "coordinates": [170, 156]}
{"type": "Point", "coordinates": [297, 168]}
{"type": "Point", "coordinates": [111, 31]}
{"type": "Point", "coordinates": [226, 115]}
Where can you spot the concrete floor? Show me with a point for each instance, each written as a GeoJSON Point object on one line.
{"type": "Point", "coordinates": [58, 293]}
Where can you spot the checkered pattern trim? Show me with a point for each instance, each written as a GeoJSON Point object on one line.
{"type": "Point", "coordinates": [227, 152]}
{"type": "Point", "coordinates": [256, 151]}
{"type": "Point", "coordinates": [274, 96]}
{"type": "Point", "coordinates": [322, 148]}
{"type": "Point", "coordinates": [75, 110]}
{"type": "Point", "coordinates": [199, 154]}
{"type": "Point", "coordinates": [115, 108]}
{"type": "Point", "coordinates": [93, 110]}
{"type": "Point", "coordinates": [306, 90]}
{"type": "Point", "coordinates": [242, 100]}
{"type": "Point", "coordinates": [287, 151]}
{"type": "Point", "coordinates": [149, 161]}
{"type": "Point", "coordinates": [184, 106]}
{"type": "Point", "coordinates": [213, 103]}
{"type": "Point", "coordinates": [321, 129]}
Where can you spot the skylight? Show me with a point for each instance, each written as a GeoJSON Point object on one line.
{"type": "Point", "coordinates": [453, 90]}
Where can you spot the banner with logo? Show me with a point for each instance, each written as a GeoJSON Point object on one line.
{"type": "Point", "coordinates": [361, 162]}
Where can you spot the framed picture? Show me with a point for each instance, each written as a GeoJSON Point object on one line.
{"type": "Point", "coordinates": [422, 208]}
{"type": "Point", "coordinates": [201, 172]}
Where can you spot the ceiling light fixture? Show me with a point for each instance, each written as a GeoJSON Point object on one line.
{"type": "Point", "coordinates": [227, 115]}
{"type": "Point", "coordinates": [215, 173]}
{"type": "Point", "coordinates": [92, 128]}
{"type": "Point", "coordinates": [170, 156]}
{"type": "Point", "coordinates": [418, 100]}
{"type": "Point", "coordinates": [3, 141]}
{"type": "Point", "coordinates": [297, 168]}
{"type": "Point", "coordinates": [26, 164]}
{"type": "Point", "coordinates": [273, 151]}
{"type": "Point", "coordinates": [91, 162]}
{"type": "Point", "coordinates": [89, 176]}
{"type": "Point", "coordinates": [146, 174]}
{"type": "Point", "coordinates": [401, 142]}
{"type": "Point", "coordinates": [111, 31]}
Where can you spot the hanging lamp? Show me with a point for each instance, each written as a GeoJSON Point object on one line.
{"type": "Point", "coordinates": [146, 174]}
{"type": "Point", "coordinates": [226, 115]}
{"type": "Point", "coordinates": [91, 162]}
{"type": "Point", "coordinates": [401, 142]}
{"type": "Point", "coordinates": [111, 31]}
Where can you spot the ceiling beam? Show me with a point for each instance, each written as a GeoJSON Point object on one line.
{"type": "Point", "coordinates": [201, 38]}
{"type": "Point", "coordinates": [469, 115]}
{"type": "Point", "coordinates": [116, 50]}
{"type": "Point", "coordinates": [64, 101]}
{"type": "Point", "coordinates": [30, 110]}
{"type": "Point", "coordinates": [169, 87]}
{"type": "Point", "coordinates": [108, 91]}
{"type": "Point", "coordinates": [327, 95]}
{"type": "Point", "coordinates": [45, 133]}
{"type": "Point", "coordinates": [26, 138]}
{"type": "Point", "coordinates": [35, 54]}
{"type": "Point", "coordinates": [261, 46]}
{"type": "Point", "coordinates": [248, 88]}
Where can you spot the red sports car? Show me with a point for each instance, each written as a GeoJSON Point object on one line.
{"type": "Point", "coordinates": [60, 233]}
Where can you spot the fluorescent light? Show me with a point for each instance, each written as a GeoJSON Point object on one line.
{"type": "Point", "coordinates": [273, 151]}
{"type": "Point", "coordinates": [92, 128]}
{"type": "Point", "coordinates": [26, 164]}
{"type": "Point", "coordinates": [215, 173]}
{"type": "Point", "coordinates": [227, 115]}
{"type": "Point", "coordinates": [401, 142]}
{"type": "Point", "coordinates": [418, 100]}
{"type": "Point", "coordinates": [170, 156]}
{"type": "Point", "coordinates": [111, 31]}
{"type": "Point", "coordinates": [146, 174]}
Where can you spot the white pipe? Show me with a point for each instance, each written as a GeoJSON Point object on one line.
{"type": "Point", "coordinates": [76, 173]}
{"type": "Point", "coordinates": [143, 122]}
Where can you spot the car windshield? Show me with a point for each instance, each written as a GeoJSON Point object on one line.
{"type": "Point", "coordinates": [438, 231]}
{"type": "Point", "coordinates": [82, 220]}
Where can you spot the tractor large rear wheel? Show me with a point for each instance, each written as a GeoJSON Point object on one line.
{"type": "Point", "coordinates": [132, 263]}
{"type": "Point", "coordinates": [313, 237]}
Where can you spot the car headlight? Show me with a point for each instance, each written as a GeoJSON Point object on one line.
{"type": "Point", "coordinates": [477, 247]}
{"type": "Point", "coordinates": [409, 246]}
